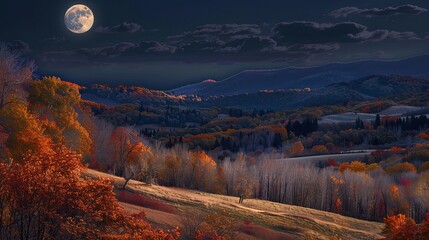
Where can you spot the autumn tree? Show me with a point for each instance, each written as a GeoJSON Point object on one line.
{"type": "Point", "coordinates": [396, 150]}
{"type": "Point", "coordinates": [297, 148]}
{"type": "Point", "coordinates": [46, 197]}
{"type": "Point", "coordinates": [124, 141]}
{"type": "Point", "coordinates": [243, 185]}
{"type": "Point", "coordinates": [4, 151]}
{"type": "Point", "coordinates": [400, 168]}
{"type": "Point", "coordinates": [220, 183]}
{"type": "Point", "coordinates": [400, 227]}
{"type": "Point", "coordinates": [55, 100]}
{"type": "Point", "coordinates": [138, 164]}
{"type": "Point", "coordinates": [14, 76]}
{"type": "Point", "coordinates": [103, 148]}
{"type": "Point", "coordinates": [203, 170]}
{"type": "Point", "coordinates": [336, 199]}
{"type": "Point", "coordinates": [319, 149]}
{"type": "Point", "coordinates": [169, 170]}
{"type": "Point", "coordinates": [358, 166]}
{"type": "Point", "coordinates": [25, 132]}
{"type": "Point", "coordinates": [424, 136]}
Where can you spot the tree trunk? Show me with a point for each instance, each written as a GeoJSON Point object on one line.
{"type": "Point", "coordinates": [125, 184]}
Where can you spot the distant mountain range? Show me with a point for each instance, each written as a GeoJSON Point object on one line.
{"type": "Point", "coordinates": [252, 81]}
{"type": "Point", "coordinates": [363, 89]}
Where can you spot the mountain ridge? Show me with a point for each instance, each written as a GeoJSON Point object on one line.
{"type": "Point", "coordinates": [252, 81]}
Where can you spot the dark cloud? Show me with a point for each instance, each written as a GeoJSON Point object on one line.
{"type": "Point", "coordinates": [155, 47]}
{"type": "Point", "coordinates": [109, 51]}
{"type": "Point", "coordinates": [18, 47]}
{"type": "Point", "coordinates": [113, 51]}
{"type": "Point", "coordinates": [223, 32]}
{"type": "Point", "coordinates": [223, 39]}
{"type": "Point", "coordinates": [124, 27]}
{"type": "Point", "coordinates": [252, 44]}
{"type": "Point", "coordinates": [321, 47]}
{"type": "Point", "coordinates": [240, 42]}
{"type": "Point", "coordinates": [55, 40]}
{"type": "Point", "coordinates": [200, 46]}
{"type": "Point", "coordinates": [375, 12]}
{"type": "Point", "coordinates": [403, 35]}
{"type": "Point", "coordinates": [303, 32]}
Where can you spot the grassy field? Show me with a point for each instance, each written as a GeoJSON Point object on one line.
{"type": "Point", "coordinates": [255, 219]}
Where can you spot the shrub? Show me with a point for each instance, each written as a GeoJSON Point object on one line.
{"type": "Point", "coordinates": [136, 199]}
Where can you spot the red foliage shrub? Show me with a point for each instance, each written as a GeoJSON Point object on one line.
{"type": "Point", "coordinates": [136, 199]}
{"type": "Point", "coordinates": [331, 162]}
{"type": "Point", "coordinates": [378, 156]}
{"type": "Point", "coordinates": [396, 150]}
{"type": "Point", "coordinates": [260, 232]}
{"type": "Point", "coordinates": [405, 182]}
{"type": "Point", "coordinates": [208, 236]}
{"type": "Point", "coordinates": [400, 227]}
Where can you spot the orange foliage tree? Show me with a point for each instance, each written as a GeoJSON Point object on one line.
{"type": "Point", "coordinates": [400, 168]}
{"type": "Point", "coordinates": [203, 169]}
{"type": "Point", "coordinates": [400, 227]}
{"type": "Point", "coordinates": [297, 148]}
{"type": "Point", "coordinates": [46, 197]}
{"type": "Point", "coordinates": [169, 170]}
{"type": "Point", "coordinates": [337, 204]}
{"type": "Point", "coordinates": [319, 149]}
{"type": "Point", "coordinates": [56, 100]}
{"type": "Point", "coordinates": [125, 141]}
{"type": "Point", "coordinates": [25, 132]}
{"type": "Point", "coordinates": [396, 150]}
{"type": "Point", "coordinates": [357, 166]}
{"type": "Point", "coordinates": [139, 164]}
{"type": "Point", "coordinates": [424, 136]}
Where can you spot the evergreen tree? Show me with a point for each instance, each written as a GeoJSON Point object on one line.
{"type": "Point", "coordinates": [377, 121]}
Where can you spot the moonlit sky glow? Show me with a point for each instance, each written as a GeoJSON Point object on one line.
{"type": "Point", "coordinates": [165, 44]}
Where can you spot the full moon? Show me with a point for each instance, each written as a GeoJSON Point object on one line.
{"type": "Point", "coordinates": [79, 18]}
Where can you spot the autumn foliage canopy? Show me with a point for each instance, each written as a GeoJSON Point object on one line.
{"type": "Point", "coordinates": [46, 197]}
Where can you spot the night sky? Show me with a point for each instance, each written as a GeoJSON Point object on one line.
{"type": "Point", "coordinates": [165, 44]}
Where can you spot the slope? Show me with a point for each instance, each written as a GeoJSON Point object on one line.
{"type": "Point", "coordinates": [268, 220]}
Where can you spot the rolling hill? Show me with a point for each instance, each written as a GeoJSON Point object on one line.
{"type": "Point", "coordinates": [370, 87]}
{"type": "Point", "coordinates": [256, 219]}
{"type": "Point", "coordinates": [251, 81]}
{"type": "Point", "coordinates": [112, 96]}
{"type": "Point", "coordinates": [366, 88]}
